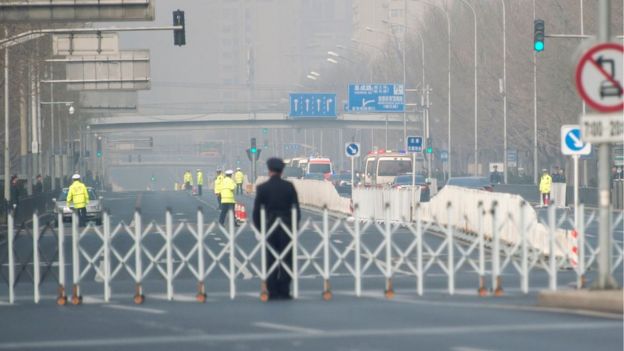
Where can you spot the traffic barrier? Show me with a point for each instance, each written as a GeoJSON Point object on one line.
{"type": "Point", "coordinates": [173, 252]}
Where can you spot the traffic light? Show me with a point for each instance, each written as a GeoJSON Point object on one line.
{"type": "Point", "coordinates": [98, 148]}
{"type": "Point", "coordinates": [179, 35]}
{"type": "Point", "coordinates": [265, 131]}
{"type": "Point", "coordinates": [266, 144]}
{"type": "Point", "coordinates": [254, 148]}
{"type": "Point", "coordinates": [153, 178]}
{"type": "Point", "coordinates": [539, 33]}
{"type": "Point", "coordinates": [429, 148]}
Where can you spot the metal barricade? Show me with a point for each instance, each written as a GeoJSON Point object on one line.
{"type": "Point", "coordinates": [322, 249]}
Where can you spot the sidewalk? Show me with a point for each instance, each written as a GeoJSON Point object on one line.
{"type": "Point", "coordinates": [609, 301]}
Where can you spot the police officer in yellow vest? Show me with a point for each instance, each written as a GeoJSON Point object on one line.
{"type": "Point", "coordinates": [228, 186]}
{"type": "Point", "coordinates": [188, 180]}
{"type": "Point", "coordinates": [200, 181]}
{"type": "Point", "coordinates": [217, 186]}
{"type": "Point", "coordinates": [79, 197]}
{"type": "Point", "coordinates": [239, 177]}
{"type": "Point", "coordinates": [544, 187]}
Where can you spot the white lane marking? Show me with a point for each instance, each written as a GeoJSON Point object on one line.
{"type": "Point", "coordinates": [135, 309]}
{"type": "Point", "coordinates": [290, 328]}
{"type": "Point", "coordinates": [338, 241]}
{"type": "Point", "coordinates": [529, 308]}
{"type": "Point", "coordinates": [332, 334]}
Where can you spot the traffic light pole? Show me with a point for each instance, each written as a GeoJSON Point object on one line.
{"type": "Point", "coordinates": [604, 279]}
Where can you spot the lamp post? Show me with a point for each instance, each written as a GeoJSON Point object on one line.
{"type": "Point", "coordinates": [505, 171]}
{"type": "Point", "coordinates": [404, 79]}
{"type": "Point", "coordinates": [476, 90]}
{"type": "Point", "coordinates": [448, 24]}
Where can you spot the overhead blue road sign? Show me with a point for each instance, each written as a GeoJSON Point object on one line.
{"type": "Point", "coordinates": [312, 105]}
{"type": "Point", "coordinates": [571, 141]}
{"type": "Point", "coordinates": [352, 149]}
{"type": "Point", "coordinates": [376, 98]}
{"type": "Point", "coordinates": [414, 143]}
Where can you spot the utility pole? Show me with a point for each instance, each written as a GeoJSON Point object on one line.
{"type": "Point", "coordinates": [605, 280]}
{"type": "Point", "coordinates": [7, 155]}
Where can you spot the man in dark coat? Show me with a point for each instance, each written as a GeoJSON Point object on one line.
{"type": "Point", "coordinates": [277, 197]}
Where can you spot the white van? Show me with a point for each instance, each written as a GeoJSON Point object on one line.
{"type": "Point", "coordinates": [381, 167]}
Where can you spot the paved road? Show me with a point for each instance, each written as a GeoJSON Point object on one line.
{"type": "Point", "coordinates": [433, 321]}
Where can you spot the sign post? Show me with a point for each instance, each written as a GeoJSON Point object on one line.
{"type": "Point", "coordinates": [599, 81]}
{"type": "Point", "coordinates": [572, 144]}
{"type": "Point", "coordinates": [414, 145]}
{"type": "Point", "coordinates": [352, 150]}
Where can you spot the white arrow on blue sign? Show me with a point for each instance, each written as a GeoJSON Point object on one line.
{"type": "Point", "coordinates": [414, 143]}
{"type": "Point", "coordinates": [572, 142]}
{"type": "Point", "coordinates": [352, 149]}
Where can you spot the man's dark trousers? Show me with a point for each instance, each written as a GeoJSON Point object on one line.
{"type": "Point", "coordinates": [225, 209]}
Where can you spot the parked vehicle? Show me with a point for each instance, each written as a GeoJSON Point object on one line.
{"type": "Point", "coordinates": [94, 207]}
{"type": "Point", "coordinates": [481, 183]}
{"type": "Point", "coordinates": [404, 181]}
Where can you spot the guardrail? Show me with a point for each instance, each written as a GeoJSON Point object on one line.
{"type": "Point", "coordinates": [170, 252]}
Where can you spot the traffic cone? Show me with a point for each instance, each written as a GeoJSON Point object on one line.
{"type": "Point", "coordinates": [241, 213]}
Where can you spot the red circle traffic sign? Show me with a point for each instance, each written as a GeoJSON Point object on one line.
{"type": "Point", "coordinates": [596, 79]}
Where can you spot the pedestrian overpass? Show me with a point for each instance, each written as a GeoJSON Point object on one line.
{"type": "Point", "coordinates": [118, 123]}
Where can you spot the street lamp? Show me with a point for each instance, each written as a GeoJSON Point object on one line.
{"type": "Point", "coordinates": [476, 92]}
{"type": "Point", "coordinates": [448, 24]}
{"type": "Point", "coordinates": [71, 110]}
{"type": "Point", "coordinates": [404, 75]}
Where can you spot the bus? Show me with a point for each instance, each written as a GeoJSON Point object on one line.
{"type": "Point", "coordinates": [381, 167]}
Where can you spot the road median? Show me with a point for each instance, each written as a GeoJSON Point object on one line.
{"type": "Point", "coordinates": [609, 301]}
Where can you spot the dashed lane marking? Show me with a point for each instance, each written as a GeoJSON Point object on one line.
{"type": "Point", "coordinates": [135, 309]}
{"type": "Point", "coordinates": [290, 328]}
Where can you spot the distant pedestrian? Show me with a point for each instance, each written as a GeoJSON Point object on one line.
{"type": "Point", "coordinates": [495, 176]}
{"type": "Point", "coordinates": [38, 188]}
{"type": "Point", "coordinates": [545, 187]}
{"type": "Point", "coordinates": [277, 197]}
{"type": "Point", "coordinates": [239, 177]}
{"type": "Point", "coordinates": [79, 197]}
{"type": "Point", "coordinates": [188, 180]}
{"type": "Point", "coordinates": [228, 186]}
{"type": "Point", "coordinates": [217, 186]}
{"type": "Point", "coordinates": [200, 182]}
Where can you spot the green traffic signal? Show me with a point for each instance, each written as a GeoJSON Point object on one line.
{"type": "Point", "coordinates": [98, 154]}
{"type": "Point", "coordinates": [429, 150]}
{"type": "Point", "coordinates": [539, 46]}
{"type": "Point", "coordinates": [539, 34]}
{"type": "Point", "coordinates": [254, 150]}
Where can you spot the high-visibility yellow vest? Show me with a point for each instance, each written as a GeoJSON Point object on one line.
{"type": "Point", "coordinates": [227, 191]}
{"type": "Point", "coordinates": [188, 178]}
{"type": "Point", "coordinates": [545, 184]}
{"type": "Point", "coordinates": [200, 178]}
{"type": "Point", "coordinates": [239, 177]}
{"type": "Point", "coordinates": [78, 195]}
{"type": "Point", "coordinates": [217, 184]}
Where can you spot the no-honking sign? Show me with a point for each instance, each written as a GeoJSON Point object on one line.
{"type": "Point", "coordinates": [600, 77]}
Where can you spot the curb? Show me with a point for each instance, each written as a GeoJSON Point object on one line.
{"type": "Point", "coordinates": [610, 301]}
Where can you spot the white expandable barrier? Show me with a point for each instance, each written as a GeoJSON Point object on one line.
{"type": "Point", "coordinates": [507, 211]}
{"type": "Point", "coordinates": [318, 194]}
{"type": "Point", "coordinates": [371, 203]}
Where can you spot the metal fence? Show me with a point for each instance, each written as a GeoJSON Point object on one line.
{"type": "Point", "coordinates": [373, 253]}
